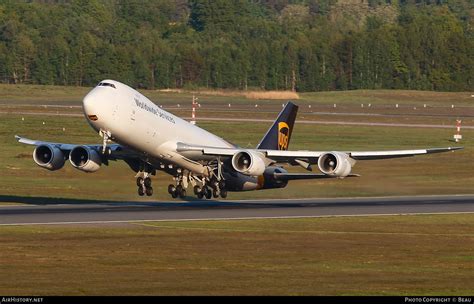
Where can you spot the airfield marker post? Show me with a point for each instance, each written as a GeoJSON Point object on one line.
{"type": "Point", "coordinates": [193, 115]}
{"type": "Point", "coordinates": [458, 136]}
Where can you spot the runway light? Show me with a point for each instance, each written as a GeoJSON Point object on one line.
{"type": "Point", "coordinates": [44, 123]}
{"type": "Point", "coordinates": [396, 106]}
{"type": "Point", "coordinates": [23, 118]}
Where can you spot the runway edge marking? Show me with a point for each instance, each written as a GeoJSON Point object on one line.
{"type": "Point", "coordinates": [232, 219]}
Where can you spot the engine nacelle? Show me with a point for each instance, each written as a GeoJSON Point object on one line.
{"type": "Point", "coordinates": [49, 157]}
{"type": "Point", "coordinates": [335, 164]}
{"type": "Point", "coordinates": [248, 163]}
{"type": "Point", "coordinates": [85, 159]}
{"type": "Point", "coordinates": [269, 180]}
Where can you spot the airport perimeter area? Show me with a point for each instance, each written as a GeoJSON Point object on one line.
{"type": "Point", "coordinates": [400, 254]}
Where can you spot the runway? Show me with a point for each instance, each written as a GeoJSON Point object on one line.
{"type": "Point", "coordinates": [313, 122]}
{"type": "Point", "coordinates": [39, 211]}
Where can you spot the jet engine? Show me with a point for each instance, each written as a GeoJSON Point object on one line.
{"type": "Point", "coordinates": [248, 163]}
{"type": "Point", "coordinates": [270, 182]}
{"type": "Point", "coordinates": [335, 164]}
{"type": "Point", "coordinates": [49, 157]}
{"type": "Point", "coordinates": [85, 159]}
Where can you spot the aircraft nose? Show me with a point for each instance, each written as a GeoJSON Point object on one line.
{"type": "Point", "coordinates": [89, 104]}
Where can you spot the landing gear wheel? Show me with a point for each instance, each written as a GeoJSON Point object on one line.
{"type": "Point", "coordinates": [215, 194]}
{"type": "Point", "coordinates": [179, 188]}
{"type": "Point", "coordinates": [197, 190]}
{"type": "Point", "coordinates": [182, 193]}
{"type": "Point", "coordinates": [149, 191]}
{"type": "Point", "coordinates": [139, 181]}
{"type": "Point", "coordinates": [147, 182]}
{"type": "Point", "coordinates": [221, 184]}
{"type": "Point", "coordinates": [223, 193]}
{"type": "Point", "coordinates": [174, 194]}
{"type": "Point", "coordinates": [208, 193]}
{"type": "Point", "coordinates": [140, 191]}
{"type": "Point", "coordinates": [171, 189]}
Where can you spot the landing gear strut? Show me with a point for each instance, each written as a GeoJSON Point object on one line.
{"type": "Point", "coordinates": [213, 185]}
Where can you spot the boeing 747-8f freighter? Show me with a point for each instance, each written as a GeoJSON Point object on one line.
{"type": "Point", "coordinates": [149, 139]}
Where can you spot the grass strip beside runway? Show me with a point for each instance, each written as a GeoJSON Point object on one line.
{"type": "Point", "coordinates": [385, 255]}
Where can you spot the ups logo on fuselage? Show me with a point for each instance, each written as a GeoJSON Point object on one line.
{"type": "Point", "coordinates": [283, 136]}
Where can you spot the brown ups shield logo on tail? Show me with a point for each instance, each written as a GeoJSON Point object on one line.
{"type": "Point", "coordinates": [283, 136]}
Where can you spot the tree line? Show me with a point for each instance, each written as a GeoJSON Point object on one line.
{"type": "Point", "coordinates": [300, 45]}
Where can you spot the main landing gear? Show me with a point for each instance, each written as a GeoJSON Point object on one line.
{"type": "Point", "coordinates": [202, 187]}
{"type": "Point", "coordinates": [176, 191]}
{"type": "Point", "coordinates": [144, 185]}
{"type": "Point", "coordinates": [207, 191]}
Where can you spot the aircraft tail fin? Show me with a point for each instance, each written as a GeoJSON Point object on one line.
{"type": "Point", "coordinates": [279, 134]}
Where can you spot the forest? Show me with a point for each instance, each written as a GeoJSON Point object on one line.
{"type": "Point", "coordinates": [298, 45]}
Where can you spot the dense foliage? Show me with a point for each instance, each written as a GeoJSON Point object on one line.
{"type": "Point", "coordinates": [303, 45]}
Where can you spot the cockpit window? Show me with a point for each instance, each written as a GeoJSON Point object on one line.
{"type": "Point", "coordinates": [106, 84]}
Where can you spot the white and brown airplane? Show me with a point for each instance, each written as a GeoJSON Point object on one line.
{"type": "Point", "coordinates": [148, 139]}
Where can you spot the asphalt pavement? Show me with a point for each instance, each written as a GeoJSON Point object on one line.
{"type": "Point", "coordinates": [70, 211]}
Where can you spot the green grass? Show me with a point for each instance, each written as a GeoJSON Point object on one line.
{"type": "Point", "coordinates": [386, 255]}
{"type": "Point", "coordinates": [447, 173]}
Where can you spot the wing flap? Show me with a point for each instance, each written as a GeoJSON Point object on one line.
{"type": "Point", "coordinates": [368, 155]}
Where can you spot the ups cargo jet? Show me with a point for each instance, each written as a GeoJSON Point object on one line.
{"type": "Point", "coordinates": [150, 139]}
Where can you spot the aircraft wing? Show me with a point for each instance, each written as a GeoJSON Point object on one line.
{"type": "Point", "coordinates": [312, 156]}
{"type": "Point", "coordinates": [399, 153]}
{"type": "Point", "coordinates": [303, 157]}
{"type": "Point", "coordinates": [27, 141]}
{"type": "Point", "coordinates": [116, 151]}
